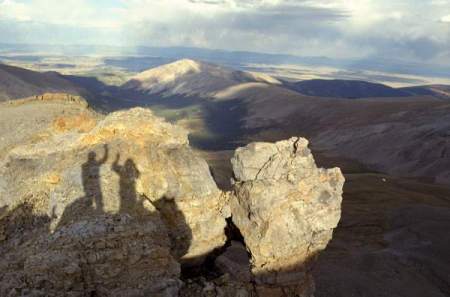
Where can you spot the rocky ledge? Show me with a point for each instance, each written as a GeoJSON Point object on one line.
{"type": "Point", "coordinates": [120, 206]}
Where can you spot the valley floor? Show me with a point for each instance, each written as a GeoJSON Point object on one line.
{"type": "Point", "coordinates": [392, 240]}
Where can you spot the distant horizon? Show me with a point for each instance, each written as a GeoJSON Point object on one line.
{"type": "Point", "coordinates": [229, 50]}
{"type": "Point", "coordinates": [391, 72]}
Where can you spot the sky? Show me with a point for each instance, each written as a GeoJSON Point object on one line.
{"type": "Point", "coordinates": [411, 30]}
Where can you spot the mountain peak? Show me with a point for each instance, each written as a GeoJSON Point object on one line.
{"type": "Point", "coordinates": [192, 78]}
{"type": "Point", "coordinates": [188, 63]}
{"type": "Point", "coordinates": [170, 72]}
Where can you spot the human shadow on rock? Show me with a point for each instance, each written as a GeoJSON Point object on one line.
{"type": "Point", "coordinates": [131, 202]}
{"type": "Point", "coordinates": [128, 174]}
{"type": "Point", "coordinates": [92, 202]}
{"type": "Point", "coordinates": [90, 174]}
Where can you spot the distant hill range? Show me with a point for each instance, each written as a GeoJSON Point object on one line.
{"type": "Point", "coordinates": [351, 89]}
{"type": "Point", "coordinates": [19, 83]}
{"type": "Point", "coordinates": [439, 91]}
{"type": "Point", "coordinates": [16, 83]}
{"type": "Point", "coordinates": [354, 89]}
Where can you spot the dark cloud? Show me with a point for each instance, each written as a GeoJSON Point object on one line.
{"type": "Point", "coordinates": [280, 28]}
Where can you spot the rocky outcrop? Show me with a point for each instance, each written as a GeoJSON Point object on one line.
{"type": "Point", "coordinates": [64, 97]}
{"type": "Point", "coordinates": [286, 209]}
{"type": "Point", "coordinates": [122, 203]}
{"type": "Point", "coordinates": [115, 206]}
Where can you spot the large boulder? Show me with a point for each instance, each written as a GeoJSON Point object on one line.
{"type": "Point", "coordinates": [114, 208]}
{"type": "Point", "coordinates": [286, 209]}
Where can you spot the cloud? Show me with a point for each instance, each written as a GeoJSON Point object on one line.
{"type": "Point", "coordinates": [70, 12]}
{"type": "Point", "coordinates": [10, 9]}
{"type": "Point", "coordinates": [334, 28]}
{"type": "Point", "coordinates": [270, 26]}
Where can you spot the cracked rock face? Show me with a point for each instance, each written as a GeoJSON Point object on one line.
{"type": "Point", "coordinates": [286, 209]}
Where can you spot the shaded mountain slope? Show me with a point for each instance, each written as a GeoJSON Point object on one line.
{"type": "Point", "coordinates": [18, 83]}
{"type": "Point", "coordinates": [403, 136]}
{"type": "Point", "coordinates": [439, 91]}
{"type": "Point", "coordinates": [351, 89]}
{"type": "Point", "coordinates": [101, 97]}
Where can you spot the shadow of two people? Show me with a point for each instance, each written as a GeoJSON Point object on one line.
{"type": "Point", "coordinates": [131, 203]}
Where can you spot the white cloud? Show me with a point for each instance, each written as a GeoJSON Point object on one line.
{"type": "Point", "coordinates": [440, 2]}
{"type": "Point", "coordinates": [10, 9]}
{"type": "Point", "coordinates": [67, 12]}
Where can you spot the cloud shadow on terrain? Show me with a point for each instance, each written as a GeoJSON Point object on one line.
{"type": "Point", "coordinates": [223, 119]}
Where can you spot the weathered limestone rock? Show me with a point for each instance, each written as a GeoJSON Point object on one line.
{"type": "Point", "coordinates": [121, 200]}
{"type": "Point", "coordinates": [286, 209]}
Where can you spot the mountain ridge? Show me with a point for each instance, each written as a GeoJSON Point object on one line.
{"type": "Point", "coordinates": [16, 83]}
{"type": "Point", "coordinates": [190, 77]}
{"type": "Point", "coordinates": [438, 91]}
{"type": "Point", "coordinates": [340, 88]}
